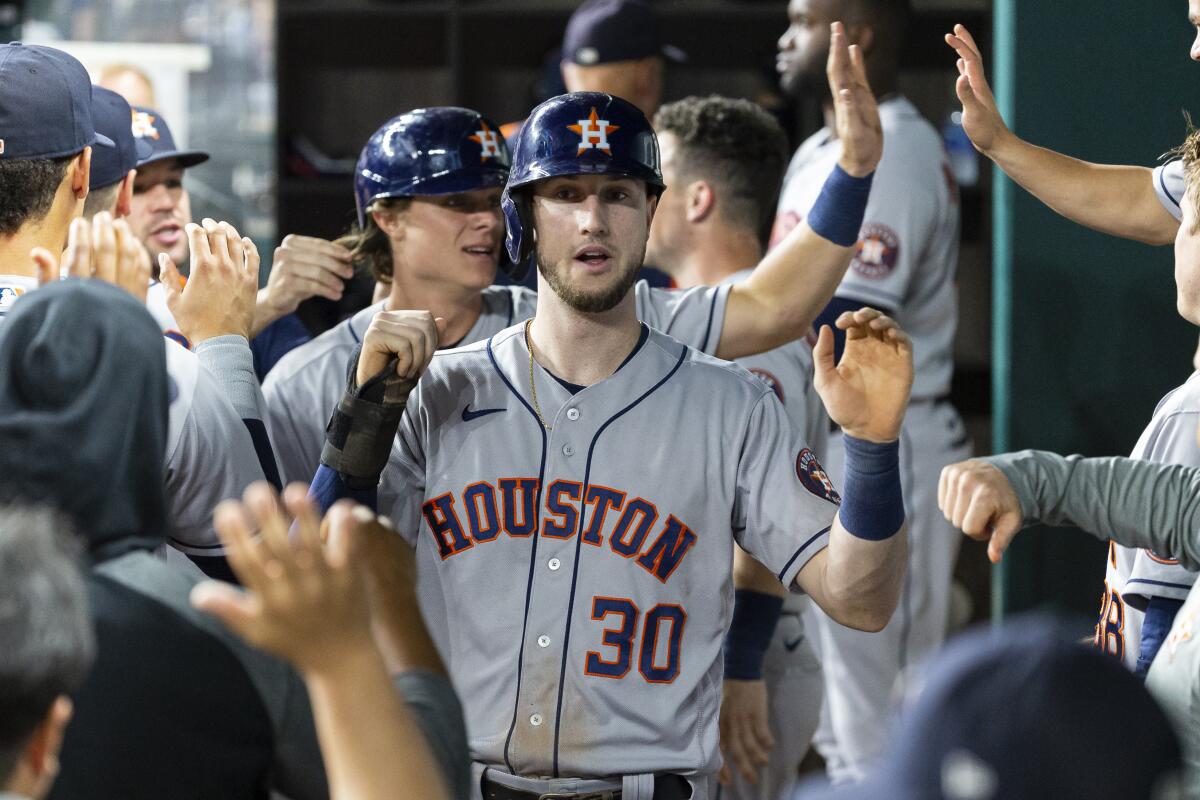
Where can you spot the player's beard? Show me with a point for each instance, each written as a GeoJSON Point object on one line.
{"type": "Point", "coordinates": [594, 302]}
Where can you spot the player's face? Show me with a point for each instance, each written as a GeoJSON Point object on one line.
{"type": "Point", "coordinates": [1194, 18]}
{"type": "Point", "coordinates": [452, 238]}
{"type": "Point", "coordinates": [1187, 262]}
{"type": "Point", "coordinates": [804, 46]}
{"type": "Point", "coordinates": [160, 209]}
{"type": "Point", "coordinates": [591, 237]}
{"type": "Point", "coordinates": [670, 220]}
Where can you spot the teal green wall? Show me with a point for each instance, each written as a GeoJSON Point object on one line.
{"type": "Point", "coordinates": [1086, 335]}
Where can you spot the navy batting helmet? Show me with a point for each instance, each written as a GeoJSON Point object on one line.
{"type": "Point", "coordinates": [430, 151]}
{"type": "Point", "coordinates": [581, 133]}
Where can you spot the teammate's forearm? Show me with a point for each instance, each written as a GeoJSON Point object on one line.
{"type": "Point", "coordinates": [1136, 503]}
{"type": "Point", "coordinates": [1112, 199]}
{"type": "Point", "coordinates": [369, 739]}
{"type": "Point", "coordinates": [264, 313]}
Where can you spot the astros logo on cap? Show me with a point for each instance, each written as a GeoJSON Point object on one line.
{"type": "Point", "coordinates": [593, 133]}
{"type": "Point", "coordinates": [489, 142]}
{"type": "Point", "coordinates": [143, 125]}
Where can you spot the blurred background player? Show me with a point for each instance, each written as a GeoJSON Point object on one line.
{"type": "Point", "coordinates": [48, 645]}
{"type": "Point", "coordinates": [904, 266]}
{"type": "Point", "coordinates": [130, 82]}
{"type": "Point", "coordinates": [723, 163]}
{"type": "Point", "coordinates": [616, 47]}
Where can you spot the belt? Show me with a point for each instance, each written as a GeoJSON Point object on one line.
{"type": "Point", "coordinates": [666, 787]}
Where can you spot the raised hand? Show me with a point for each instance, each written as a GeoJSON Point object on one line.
{"type": "Point", "coordinates": [981, 116]}
{"type": "Point", "coordinates": [977, 499]}
{"type": "Point", "coordinates": [855, 111]}
{"type": "Point", "coordinates": [867, 392]}
{"type": "Point", "coordinates": [303, 600]}
{"type": "Point", "coordinates": [746, 740]}
{"type": "Point", "coordinates": [104, 249]}
{"type": "Point", "coordinates": [303, 267]}
{"type": "Point", "coordinates": [409, 336]}
{"type": "Point", "coordinates": [219, 296]}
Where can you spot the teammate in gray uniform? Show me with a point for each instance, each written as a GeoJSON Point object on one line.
{"type": "Point", "coordinates": [434, 234]}
{"type": "Point", "coordinates": [584, 426]}
{"type": "Point", "coordinates": [724, 161]}
{"type": "Point", "coordinates": [905, 262]}
{"type": "Point", "coordinates": [1141, 504]}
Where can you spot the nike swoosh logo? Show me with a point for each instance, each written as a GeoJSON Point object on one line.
{"type": "Point", "coordinates": [791, 646]}
{"type": "Point", "coordinates": [469, 415]}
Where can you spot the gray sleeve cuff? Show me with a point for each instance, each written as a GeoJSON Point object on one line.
{"type": "Point", "coordinates": [230, 361]}
{"type": "Point", "coordinates": [432, 699]}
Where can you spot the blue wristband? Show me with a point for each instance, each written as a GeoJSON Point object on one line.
{"type": "Point", "coordinates": [838, 213]}
{"type": "Point", "coordinates": [755, 615]}
{"type": "Point", "coordinates": [873, 501]}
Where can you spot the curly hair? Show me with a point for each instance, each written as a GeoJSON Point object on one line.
{"type": "Point", "coordinates": [735, 145]}
{"type": "Point", "coordinates": [369, 246]}
{"type": "Point", "coordinates": [27, 189]}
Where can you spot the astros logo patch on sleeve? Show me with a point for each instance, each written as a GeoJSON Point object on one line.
{"type": "Point", "coordinates": [877, 251]}
{"type": "Point", "coordinates": [813, 476]}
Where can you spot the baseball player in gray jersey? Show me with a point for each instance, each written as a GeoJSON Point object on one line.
{"type": "Point", "coordinates": [586, 426]}
{"type": "Point", "coordinates": [905, 262]}
{"type": "Point", "coordinates": [449, 266]}
{"type": "Point", "coordinates": [724, 161]}
{"type": "Point", "coordinates": [1143, 505]}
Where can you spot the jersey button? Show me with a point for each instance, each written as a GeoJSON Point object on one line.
{"type": "Point", "coordinates": [572, 414]}
{"type": "Point", "coordinates": [554, 564]}
{"type": "Point", "coordinates": [543, 641]}
{"type": "Point", "coordinates": [535, 720]}
{"type": "Point", "coordinates": [568, 450]}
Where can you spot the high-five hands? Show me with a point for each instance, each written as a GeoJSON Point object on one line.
{"type": "Point", "coordinates": [867, 392]}
{"type": "Point", "coordinates": [856, 113]}
{"type": "Point", "coordinates": [981, 116]}
{"type": "Point", "coordinates": [102, 248]}
{"type": "Point", "coordinates": [220, 293]}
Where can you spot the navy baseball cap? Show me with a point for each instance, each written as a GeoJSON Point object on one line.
{"type": "Point", "coordinates": [155, 142]}
{"type": "Point", "coordinates": [45, 104]}
{"type": "Point", "coordinates": [601, 31]}
{"type": "Point", "coordinates": [112, 116]}
{"type": "Point", "coordinates": [1025, 712]}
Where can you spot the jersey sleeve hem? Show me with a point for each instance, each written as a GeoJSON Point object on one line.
{"type": "Point", "coordinates": [815, 544]}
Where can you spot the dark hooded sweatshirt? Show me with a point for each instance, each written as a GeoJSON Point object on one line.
{"type": "Point", "coordinates": [175, 706]}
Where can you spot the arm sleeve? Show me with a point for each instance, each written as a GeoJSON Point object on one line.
{"type": "Point", "coordinates": [693, 316]}
{"type": "Point", "coordinates": [1135, 503]}
{"type": "Point", "coordinates": [432, 700]}
{"type": "Point", "coordinates": [1169, 186]}
{"type": "Point", "coordinates": [785, 502]}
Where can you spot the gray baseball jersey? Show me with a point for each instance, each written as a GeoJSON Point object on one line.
{"type": "Point", "coordinates": [907, 250]}
{"type": "Point", "coordinates": [304, 387]}
{"type": "Point", "coordinates": [1133, 574]}
{"type": "Point", "coordinates": [1169, 186]}
{"type": "Point", "coordinates": [577, 578]}
{"type": "Point", "coordinates": [156, 304]}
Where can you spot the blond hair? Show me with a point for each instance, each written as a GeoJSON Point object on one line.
{"type": "Point", "coordinates": [1189, 153]}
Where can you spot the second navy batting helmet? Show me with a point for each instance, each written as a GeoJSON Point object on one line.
{"type": "Point", "coordinates": [430, 151]}
{"type": "Point", "coordinates": [581, 133]}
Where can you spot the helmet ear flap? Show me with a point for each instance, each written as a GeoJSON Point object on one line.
{"type": "Point", "coordinates": [520, 236]}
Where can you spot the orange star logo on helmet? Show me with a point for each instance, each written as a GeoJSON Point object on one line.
{"type": "Point", "coordinates": [489, 142]}
{"type": "Point", "coordinates": [593, 133]}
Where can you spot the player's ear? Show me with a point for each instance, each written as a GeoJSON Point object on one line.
{"type": "Point", "coordinates": [80, 172]}
{"type": "Point", "coordinates": [701, 200]}
{"type": "Point", "coordinates": [125, 195]}
{"type": "Point", "coordinates": [390, 221]}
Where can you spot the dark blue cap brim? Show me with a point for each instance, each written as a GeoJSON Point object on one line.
{"type": "Point", "coordinates": [187, 158]}
{"type": "Point", "coordinates": [103, 140]}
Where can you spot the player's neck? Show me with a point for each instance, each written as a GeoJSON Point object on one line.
{"type": "Point", "coordinates": [578, 347]}
{"type": "Point", "coordinates": [458, 306]}
{"type": "Point", "coordinates": [712, 259]}
{"type": "Point", "coordinates": [14, 250]}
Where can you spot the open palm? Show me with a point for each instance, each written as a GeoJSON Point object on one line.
{"type": "Point", "coordinates": [867, 392]}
